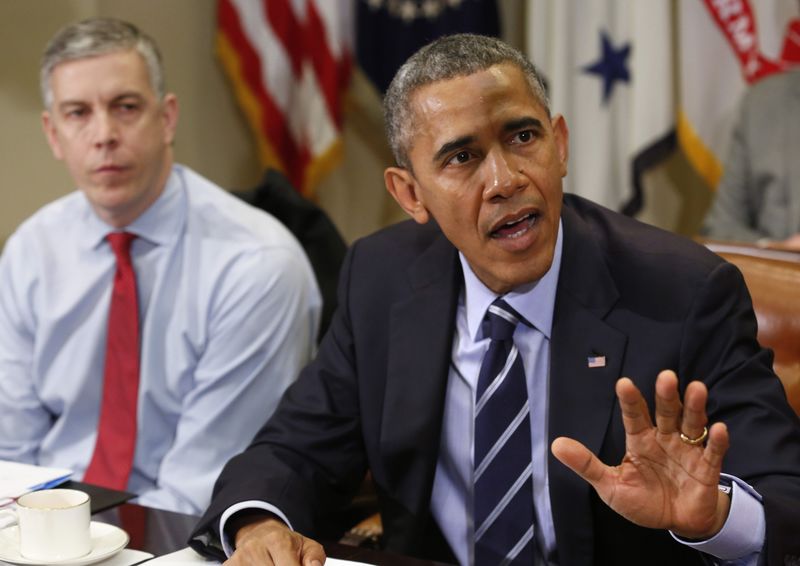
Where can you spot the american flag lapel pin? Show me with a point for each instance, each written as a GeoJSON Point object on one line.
{"type": "Point", "coordinates": [596, 361]}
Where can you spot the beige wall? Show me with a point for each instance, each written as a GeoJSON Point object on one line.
{"type": "Point", "coordinates": [212, 135]}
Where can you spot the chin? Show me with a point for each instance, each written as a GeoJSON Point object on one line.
{"type": "Point", "coordinates": [506, 282]}
{"type": "Point", "coordinates": [506, 272]}
{"type": "Point", "coordinates": [530, 272]}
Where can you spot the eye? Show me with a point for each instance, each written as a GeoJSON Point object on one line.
{"type": "Point", "coordinates": [461, 157]}
{"type": "Point", "coordinates": [127, 107]}
{"type": "Point", "coordinates": [75, 113]}
{"type": "Point", "coordinates": [524, 136]}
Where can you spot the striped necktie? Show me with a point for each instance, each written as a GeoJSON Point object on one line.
{"type": "Point", "coordinates": [114, 449]}
{"type": "Point", "coordinates": [503, 489]}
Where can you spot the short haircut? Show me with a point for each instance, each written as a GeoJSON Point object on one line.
{"type": "Point", "coordinates": [445, 58]}
{"type": "Point", "coordinates": [99, 36]}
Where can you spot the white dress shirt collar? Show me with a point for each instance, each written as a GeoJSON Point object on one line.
{"type": "Point", "coordinates": [161, 224]}
{"type": "Point", "coordinates": [534, 301]}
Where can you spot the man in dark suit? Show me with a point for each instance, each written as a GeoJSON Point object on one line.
{"type": "Point", "coordinates": [398, 386]}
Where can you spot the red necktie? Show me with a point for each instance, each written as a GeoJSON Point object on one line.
{"type": "Point", "coordinates": [116, 437]}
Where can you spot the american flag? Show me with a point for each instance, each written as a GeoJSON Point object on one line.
{"type": "Point", "coordinates": [596, 361]}
{"type": "Point", "coordinates": [289, 62]}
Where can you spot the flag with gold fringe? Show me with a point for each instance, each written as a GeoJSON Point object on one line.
{"type": "Point", "coordinates": [289, 62]}
{"type": "Point", "coordinates": [726, 46]}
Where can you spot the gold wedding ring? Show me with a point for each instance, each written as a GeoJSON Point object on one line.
{"type": "Point", "coordinates": [695, 441]}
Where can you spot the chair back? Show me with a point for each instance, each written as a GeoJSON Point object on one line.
{"type": "Point", "coordinates": [311, 225]}
{"type": "Point", "coordinates": [774, 285]}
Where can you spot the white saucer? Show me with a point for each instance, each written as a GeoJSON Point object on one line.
{"type": "Point", "coordinates": [107, 540]}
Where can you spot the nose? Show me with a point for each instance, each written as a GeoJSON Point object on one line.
{"type": "Point", "coordinates": [503, 175]}
{"type": "Point", "coordinates": [104, 131]}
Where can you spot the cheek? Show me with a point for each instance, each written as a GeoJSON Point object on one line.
{"type": "Point", "coordinates": [459, 210]}
{"type": "Point", "coordinates": [73, 155]}
{"type": "Point", "coordinates": [547, 180]}
{"type": "Point", "coordinates": [151, 140]}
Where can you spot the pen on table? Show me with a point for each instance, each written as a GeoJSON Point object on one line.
{"type": "Point", "coordinates": [50, 483]}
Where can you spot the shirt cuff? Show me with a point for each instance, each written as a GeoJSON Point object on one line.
{"type": "Point", "coordinates": [744, 530]}
{"type": "Point", "coordinates": [227, 545]}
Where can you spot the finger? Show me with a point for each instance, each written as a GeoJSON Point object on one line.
{"type": "Point", "coordinates": [287, 555]}
{"type": "Point", "coordinates": [249, 557]}
{"type": "Point", "coordinates": [717, 446]}
{"type": "Point", "coordinates": [580, 460]}
{"type": "Point", "coordinates": [281, 557]}
{"type": "Point", "coordinates": [668, 402]}
{"type": "Point", "coordinates": [694, 410]}
{"type": "Point", "coordinates": [635, 414]}
{"type": "Point", "coordinates": [312, 553]}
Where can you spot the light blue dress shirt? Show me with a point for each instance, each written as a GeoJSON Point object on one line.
{"type": "Point", "coordinates": [229, 311]}
{"type": "Point", "coordinates": [451, 500]}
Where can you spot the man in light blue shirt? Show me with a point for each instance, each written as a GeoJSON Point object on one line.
{"type": "Point", "coordinates": [646, 425]}
{"type": "Point", "coordinates": [228, 306]}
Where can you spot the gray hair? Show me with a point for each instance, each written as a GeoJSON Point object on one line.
{"type": "Point", "coordinates": [445, 58]}
{"type": "Point", "coordinates": [99, 36]}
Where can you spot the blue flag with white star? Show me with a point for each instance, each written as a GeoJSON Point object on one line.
{"type": "Point", "coordinates": [611, 65]}
{"type": "Point", "coordinates": [389, 31]}
{"type": "Point", "coordinates": [608, 65]}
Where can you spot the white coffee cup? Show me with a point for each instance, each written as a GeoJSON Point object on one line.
{"type": "Point", "coordinates": [54, 525]}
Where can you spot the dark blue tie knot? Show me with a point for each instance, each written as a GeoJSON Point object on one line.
{"type": "Point", "coordinates": [500, 321]}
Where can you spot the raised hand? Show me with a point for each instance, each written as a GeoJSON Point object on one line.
{"type": "Point", "coordinates": [669, 476]}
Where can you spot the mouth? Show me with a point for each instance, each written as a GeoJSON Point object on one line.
{"type": "Point", "coordinates": [109, 168]}
{"type": "Point", "coordinates": [515, 227]}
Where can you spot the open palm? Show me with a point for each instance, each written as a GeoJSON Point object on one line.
{"type": "Point", "coordinates": [662, 482]}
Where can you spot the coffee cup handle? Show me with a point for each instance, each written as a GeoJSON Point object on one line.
{"type": "Point", "coordinates": [14, 518]}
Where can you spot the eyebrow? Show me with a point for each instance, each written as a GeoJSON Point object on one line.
{"type": "Point", "coordinates": [451, 145]}
{"type": "Point", "coordinates": [69, 103]}
{"type": "Point", "coordinates": [117, 98]}
{"type": "Point", "coordinates": [525, 122]}
{"type": "Point", "coordinates": [128, 95]}
{"type": "Point", "coordinates": [510, 126]}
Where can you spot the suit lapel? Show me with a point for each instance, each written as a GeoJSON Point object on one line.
{"type": "Point", "coordinates": [421, 336]}
{"type": "Point", "coordinates": [581, 397]}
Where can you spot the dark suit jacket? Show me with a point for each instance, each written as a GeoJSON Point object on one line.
{"type": "Point", "coordinates": [374, 396]}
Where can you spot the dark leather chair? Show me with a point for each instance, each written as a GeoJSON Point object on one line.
{"type": "Point", "coordinates": [310, 224]}
{"type": "Point", "coordinates": [773, 279]}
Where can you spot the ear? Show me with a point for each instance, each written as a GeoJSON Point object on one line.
{"type": "Point", "coordinates": [561, 134]}
{"type": "Point", "coordinates": [50, 133]}
{"type": "Point", "coordinates": [403, 187]}
{"type": "Point", "coordinates": [169, 113]}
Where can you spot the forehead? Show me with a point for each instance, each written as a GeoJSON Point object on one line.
{"type": "Point", "coordinates": [100, 75]}
{"type": "Point", "coordinates": [473, 102]}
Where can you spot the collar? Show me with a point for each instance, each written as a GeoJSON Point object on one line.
{"type": "Point", "coordinates": [160, 224]}
{"type": "Point", "coordinates": [534, 301]}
